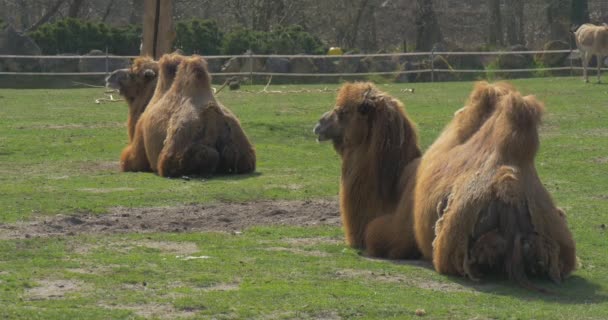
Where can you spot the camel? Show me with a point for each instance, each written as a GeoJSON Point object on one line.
{"type": "Point", "coordinates": [185, 130]}
{"type": "Point", "coordinates": [592, 40]}
{"type": "Point", "coordinates": [480, 206]}
{"type": "Point", "coordinates": [137, 85]}
{"type": "Point", "coordinates": [378, 145]}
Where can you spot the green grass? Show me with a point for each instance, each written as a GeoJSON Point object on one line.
{"type": "Point", "coordinates": [58, 155]}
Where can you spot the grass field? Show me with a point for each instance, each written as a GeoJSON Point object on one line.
{"type": "Point", "coordinates": [58, 158]}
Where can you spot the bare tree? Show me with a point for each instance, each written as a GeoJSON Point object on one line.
{"type": "Point", "coordinates": [50, 13]}
{"type": "Point", "coordinates": [558, 18]}
{"type": "Point", "coordinates": [427, 28]}
{"type": "Point", "coordinates": [580, 12]}
{"type": "Point", "coordinates": [108, 10]}
{"type": "Point", "coordinates": [514, 21]}
{"type": "Point", "coordinates": [494, 23]}
{"type": "Point", "coordinates": [137, 9]}
{"type": "Point", "coordinates": [74, 8]}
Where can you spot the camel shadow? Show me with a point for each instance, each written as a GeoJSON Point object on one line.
{"type": "Point", "coordinates": [219, 177]}
{"type": "Point", "coordinates": [235, 177]}
{"type": "Point", "coordinates": [574, 290]}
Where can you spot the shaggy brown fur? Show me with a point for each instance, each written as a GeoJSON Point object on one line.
{"type": "Point", "coordinates": [134, 157]}
{"type": "Point", "coordinates": [379, 148]}
{"type": "Point", "coordinates": [479, 196]}
{"type": "Point", "coordinates": [136, 85]}
{"type": "Point", "coordinates": [186, 131]}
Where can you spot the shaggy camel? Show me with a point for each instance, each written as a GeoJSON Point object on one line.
{"type": "Point", "coordinates": [592, 40]}
{"type": "Point", "coordinates": [480, 206]}
{"type": "Point", "coordinates": [379, 148]}
{"type": "Point", "coordinates": [185, 130]}
{"type": "Point", "coordinates": [133, 157]}
{"type": "Point", "coordinates": [136, 84]}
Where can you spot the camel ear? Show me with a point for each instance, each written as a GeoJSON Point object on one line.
{"type": "Point", "coordinates": [149, 73]}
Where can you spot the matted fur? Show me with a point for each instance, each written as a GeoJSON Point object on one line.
{"type": "Point", "coordinates": [479, 204]}
{"type": "Point", "coordinates": [185, 130]}
{"type": "Point", "coordinates": [136, 84]}
{"type": "Point", "coordinates": [379, 148]}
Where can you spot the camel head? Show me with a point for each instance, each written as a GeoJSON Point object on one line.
{"type": "Point", "coordinates": [348, 124]}
{"type": "Point", "coordinates": [193, 76]}
{"type": "Point", "coordinates": [136, 82]}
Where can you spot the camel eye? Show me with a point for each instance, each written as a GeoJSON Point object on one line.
{"type": "Point", "coordinates": [342, 113]}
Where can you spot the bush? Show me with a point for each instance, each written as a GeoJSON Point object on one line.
{"type": "Point", "coordinates": [76, 36]}
{"type": "Point", "coordinates": [198, 36]}
{"type": "Point", "coordinates": [241, 40]}
{"type": "Point", "coordinates": [288, 40]}
{"type": "Point", "coordinates": [294, 40]}
{"type": "Point", "coordinates": [194, 36]}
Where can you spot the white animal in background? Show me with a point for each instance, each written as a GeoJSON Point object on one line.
{"type": "Point", "coordinates": [592, 40]}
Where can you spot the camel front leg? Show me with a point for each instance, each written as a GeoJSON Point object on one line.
{"type": "Point", "coordinates": [599, 68]}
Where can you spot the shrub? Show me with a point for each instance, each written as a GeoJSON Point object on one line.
{"type": "Point", "coordinates": [198, 36]}
{"type": "Point", "coordinates": [241, 40]}
{"type": "Point", "coordinates": [282, 40]}
{"type": "Point", "coordinates": [294, 40]}
{"type": "Point", "coordinates": [76, 36]}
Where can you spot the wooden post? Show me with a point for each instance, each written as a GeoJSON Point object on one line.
{"type": "Point", "coordinates": [158, 28]}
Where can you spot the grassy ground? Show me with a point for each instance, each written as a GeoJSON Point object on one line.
{"type": "Point", "coordinates": [58, 155]}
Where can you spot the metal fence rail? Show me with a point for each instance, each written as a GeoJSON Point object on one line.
{"type": "Point", "coordinates": [250, 57]}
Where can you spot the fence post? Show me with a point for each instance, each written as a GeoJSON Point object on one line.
{"type": "Point", "coordinates": [250, 67]}
{"type": "Point", "coordinates": [107, 62]}
{"type": "Point", "coordinates": [570, 58]}
{"type": "Point", "coordinates": [433, 65]}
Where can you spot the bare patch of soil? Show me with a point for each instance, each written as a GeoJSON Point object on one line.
{"type": "Point", "coordinates": [153, 310]}
{"type": "Point", "coordinates": [76, 126]}
{"type": "Point", "coordinates": [105, 190]}
{"type": "Point", "coordinates": [602, 160]}
{"type": "Point", "coordinates": [53, 289]}
{"type": "Point", "coordinates": [401, 278]}
{"type": "Point", "coordinates": [312, 241]}
{"type": "Point", "coordinates": [223, 217]}
{"type": "Point", "coordinates": [311, 253]}
{"type": "Point", "coordinates": [170, 247]}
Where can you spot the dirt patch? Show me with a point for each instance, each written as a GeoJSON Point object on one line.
{"type": "Point", "coordinates": [95, 166]}
{"type": "Point", "coordinates": [225, 217]}
{"type": "Point", "coordinates": [602, 160]}
{"type": "Point", "coordinates": [53, 289]}
{"type": "Point", "coordinates": [311, 253]}
{"type": "Point", "coordinates": [312, 241]}
{"type": "Point", "coordinates": [105, 190]}
{"type": "Point", "coordinates": [173, 248]}
{"type": "Point", "coordinates": [597, 132]}
{"type": "Point", "coordinates": [76, 126]}
{"type": "Point", "coordinates": [404, 279]}
{"type": "Point", "coordinates": [153, 310]}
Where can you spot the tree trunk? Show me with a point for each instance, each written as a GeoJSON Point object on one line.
{"type": "Point", "coordinates": [558, 17]}
{"type": "Point", "coordinates": [74, 8]}
{"type": "Point", "coordinates": [494, 23]}
{"type": "Point", "coordinates": [106, 14]}
{"type": "Point", "coordinates": [47, 16]}
{"type": "Point", "coordinates": [515, 22]}
{"type": "Point", "coordinates": [351, 41]}
{"type": "Point", "coordinates": [137, 11]}
{"type": "Point", "coordinates": [427, 27]}
{"type": "Point", "coordinates": [580, 12]}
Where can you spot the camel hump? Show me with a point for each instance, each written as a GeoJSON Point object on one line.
{"type": "Point", "coordinates": [523, 112]}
